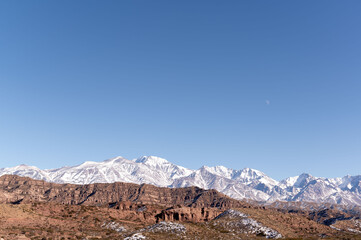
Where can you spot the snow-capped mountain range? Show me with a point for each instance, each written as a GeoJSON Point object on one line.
{"type": "Point", "coordinates": [242, 184]}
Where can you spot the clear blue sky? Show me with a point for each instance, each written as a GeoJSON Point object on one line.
{"type": "Point", "coordinates": [271, 85]}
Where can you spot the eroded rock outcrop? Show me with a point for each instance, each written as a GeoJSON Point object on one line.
{"type": "Point", "coordinates": [188, 214]}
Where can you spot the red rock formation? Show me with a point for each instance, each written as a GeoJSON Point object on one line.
{"type": "Point", "coordinates": [187, 214]}
{"type": "Point", "coordinates": [15, 189]}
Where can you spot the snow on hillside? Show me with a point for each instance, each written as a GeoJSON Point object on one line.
{"type": "Point", "coordinates": [247, 183]}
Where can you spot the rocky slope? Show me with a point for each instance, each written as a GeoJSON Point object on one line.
{"type": "Point", "coordinates": [247, 183]}
{"type": "Point", "coordinates": [59, 221]}
{"type": "Point", "coordinates": [34, 209]}
{"type": "Point", "coordinates": [15, 189]}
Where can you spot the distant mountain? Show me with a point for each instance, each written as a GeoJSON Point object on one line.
{"type": "Point", "coordinates": [248, 184]}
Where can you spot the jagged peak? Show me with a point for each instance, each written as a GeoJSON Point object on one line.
{"type": "Point", "coordinates": [305, 175]}
{"type": "Point", "coordinates": [204, 167]}
{"type": "Point", "coordinates": [152, 160]}
{"type": "Point", "coordinates": [219, 170]}
{"type": "Point", "coordinates": [250, 173]}
{"type": "Point", "coordinates": [298, 181]}
{"type": "Point", "coordinates": [252, 170]}
{"type": "Point", "coordinates": [160, 172]}
{"type": "Point", "coordinates": [115, 159]}
{"type": "Point", "coordinates": [222, 168]}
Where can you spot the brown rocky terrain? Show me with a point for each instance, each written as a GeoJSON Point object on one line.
{"type": "Point", "coordinates": [33, 209]}
{"type": "Point", "coordinates": [15, 189]}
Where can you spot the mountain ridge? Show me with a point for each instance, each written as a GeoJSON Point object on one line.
{"type": "Point", "coordinates": [244, 184]}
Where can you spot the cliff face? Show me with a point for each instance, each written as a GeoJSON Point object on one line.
{"type": "Point", "coordinates": [187, 214]}
{"type": "Point", "coordinates": [15, 189]}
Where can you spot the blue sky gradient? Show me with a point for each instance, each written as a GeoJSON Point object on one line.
{"type": "Point", "coordinates": [271, 85]}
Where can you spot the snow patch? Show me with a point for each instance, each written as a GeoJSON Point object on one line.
{"type": "Point", "coordinates": [240, 222]}
{"type": "Point", "coordinates": [169, 227]}
{"type": "Point", "coordinates": [135, 236]}
{"type": "Point", "coordinates": [114, 226]}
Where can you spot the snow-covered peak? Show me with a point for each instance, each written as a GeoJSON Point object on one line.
{"type": "Point", "coordinates": [336, 181]}
{"type": "Point", "coordinates": [22, 167]}
{"type": "Point", "coordinates": [290, 181]}
{"type": "Point", "coordinates": [249, 173]}
{"type": "Point", "coordinates": [220, 171]}
{"type": "Point", "coordinates": [25, 171]}
{"type": "Point", "coordinates": [163, 167]}
{"type": "Point", "coordinates": [115, 159]}
{"type": "Point", "coordinates": [87, 164]}
{"type": "Point", "coordinates": [152, 161]}
{"type": "Point", "coordinates": [351, 182]}
{"type": "Point", "coordinates": [298, 181]}
{"type": "Point", "coordinates": [253, 176]}
{"type": "Point", "coordinates": [303, 179]}
{"type": "Point", "coordinates": [240, 184]}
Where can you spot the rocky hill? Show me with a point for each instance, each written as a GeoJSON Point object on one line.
{"type": "Point", "coordinates": [34, 209]}
{"type": "Point", "coordinates": [15, 189]}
